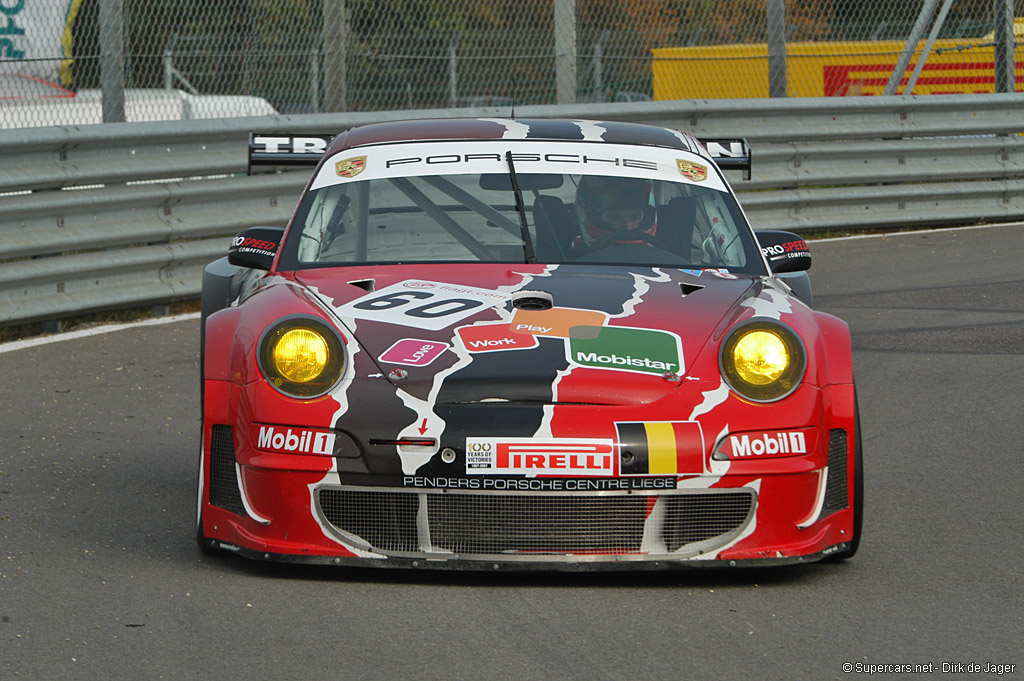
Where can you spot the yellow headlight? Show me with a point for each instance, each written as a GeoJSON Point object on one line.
{"type": "Point", "coordinates": [301, 355]}
{"type": "Point", "coordinates": [760, 357]}
{"type": "Point", "coordinates": [763, 360]}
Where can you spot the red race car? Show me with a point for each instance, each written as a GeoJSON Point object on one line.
{"type": "Point", "coordinates": [544, 344]}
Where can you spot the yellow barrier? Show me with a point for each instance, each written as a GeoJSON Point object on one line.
{"type": "Point", "coordinates": [834, 69]}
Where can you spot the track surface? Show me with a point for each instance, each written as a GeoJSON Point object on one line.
{"type": "Point", "coordinates": [100, 577]}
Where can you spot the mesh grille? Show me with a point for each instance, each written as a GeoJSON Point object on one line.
{"type": "Point", "coordinates": [223, 482]}
{"type": "Point", "coordinates": [385, 521]}
{"type": "Point", "coordinates": [836, 489]}
{"type": "Point", "coordinates": [533, 524]}
{"type": "Point", "coordinates": [699, 517]}
{"type": "Point", "coordinates": [543, 524]}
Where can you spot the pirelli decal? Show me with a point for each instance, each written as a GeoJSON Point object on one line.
{"type": "Point", "coordinates": [660, 448]}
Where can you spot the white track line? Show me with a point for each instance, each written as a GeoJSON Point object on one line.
{"type": "Point", "coordinates": [92, 331]}
{"type": "Point", "coordinates": [880, 235]}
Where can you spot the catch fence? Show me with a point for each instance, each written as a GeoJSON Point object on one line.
{"type": "Point", "coordinates": [71, 62]}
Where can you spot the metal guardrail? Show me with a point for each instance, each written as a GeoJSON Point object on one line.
{"type": "Point", "coordinates": [128, 214]}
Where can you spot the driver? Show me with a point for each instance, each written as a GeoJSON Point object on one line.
{"type": "Point", "coordinates": [609, 208]}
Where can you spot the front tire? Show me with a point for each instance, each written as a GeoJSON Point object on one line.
{"type": "Point", "coordinates": [201, 539]}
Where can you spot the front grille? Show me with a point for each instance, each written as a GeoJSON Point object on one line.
{"type": "Point", "coordinates": [836, 492]}
{"type": "Point", "coordinates": [464, 523]}
{"type": "Point", "coordinates": [701, 517]}
{"type": "Point", "coordinates": [468, 524]}
{"type": "Point", "coordinates": [223, 481]}
{"type": "Point", "coordinates": [384, 521]}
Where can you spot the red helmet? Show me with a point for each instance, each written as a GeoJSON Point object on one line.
{"type": "Point", "coordinates": [614, 204]}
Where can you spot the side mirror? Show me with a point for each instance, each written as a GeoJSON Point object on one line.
{"type": "Point", "coordinates": [256, 247]}
{"type": "Point", "coordinates": [785, 251]}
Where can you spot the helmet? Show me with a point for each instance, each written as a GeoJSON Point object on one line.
{"type": "Point", "coordinates": [608, 204]}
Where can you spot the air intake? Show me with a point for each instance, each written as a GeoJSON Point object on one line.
{"type": "Point", "coordinates": [224, 491]}
{"type": "Point", "coordinates": [836, 491]}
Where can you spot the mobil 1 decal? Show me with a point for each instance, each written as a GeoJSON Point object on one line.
{"type": "Point", "coordinates": [429, 305]}
{"type": "Point", "coordinates": [660, 448]}
{"type": "Point", "coordinates": [620, 348]}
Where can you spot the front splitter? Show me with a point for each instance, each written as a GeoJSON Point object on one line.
{"type": "Point", "coordinates": [563, 564]}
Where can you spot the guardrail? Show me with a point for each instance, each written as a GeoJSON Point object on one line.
{"type": "Point", "coordinates": [128, 214]}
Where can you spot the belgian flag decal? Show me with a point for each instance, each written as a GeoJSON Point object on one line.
{"type": "Point", "coordinates": [660, 448]}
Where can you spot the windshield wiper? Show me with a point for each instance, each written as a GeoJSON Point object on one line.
{"type": "Point", "coordinates": [521, 209]}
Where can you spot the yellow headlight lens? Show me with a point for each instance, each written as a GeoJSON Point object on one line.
{"type": "Point", "coordinates": [300, 355]}
{"type": "Point", "coordinates": [760, 357]}
{"type": "Point", "coordinates": [763, 360]}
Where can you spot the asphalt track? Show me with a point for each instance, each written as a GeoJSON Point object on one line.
{"type": "Point", "coordinates": [100, 577]}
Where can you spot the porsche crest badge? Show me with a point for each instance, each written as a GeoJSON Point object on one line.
{"type": "Point", "coordinates": [692, 171]}
{"type": "Point", "coordinates": [350, 167]}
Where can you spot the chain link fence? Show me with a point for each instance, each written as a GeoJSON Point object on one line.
{"type": "Point", "coordinates": [67, 62]}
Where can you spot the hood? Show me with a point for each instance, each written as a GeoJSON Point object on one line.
{"type": "Point", "coordinates": [532, 333]}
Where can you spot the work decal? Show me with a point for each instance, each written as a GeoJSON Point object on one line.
{"type": "Point", "coordinates": [660, 448]}
{"type": "Point", "coordinates": [494, 338]}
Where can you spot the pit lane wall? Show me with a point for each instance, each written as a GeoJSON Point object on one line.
{"type": "Point", "coordinates": [100, 217]}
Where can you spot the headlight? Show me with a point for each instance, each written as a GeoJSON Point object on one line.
{"type": "Point", "coordinates": [762, 360]}
{"type": "Point", "coordinates": [301, 356]}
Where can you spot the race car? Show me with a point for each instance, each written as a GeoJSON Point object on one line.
{"type": "Point", "coordinates": [507, 344]}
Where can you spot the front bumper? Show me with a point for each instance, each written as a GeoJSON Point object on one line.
{"type": "Point", "coordinates": [330, 510]}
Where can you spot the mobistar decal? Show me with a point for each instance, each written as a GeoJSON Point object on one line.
{"type": "Point", "coordinates": [626, 349]}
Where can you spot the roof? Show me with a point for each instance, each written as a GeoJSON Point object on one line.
{"type": "Point", "coordinates": [611, 132]}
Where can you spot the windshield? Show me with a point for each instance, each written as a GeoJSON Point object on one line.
{"type": "Point", "coordinates": [593, 205]}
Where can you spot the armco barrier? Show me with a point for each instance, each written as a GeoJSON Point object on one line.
{"type": "Point", "coordinates": [115, 215]}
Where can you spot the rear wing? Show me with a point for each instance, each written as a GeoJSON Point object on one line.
{"type": "Point", "coordinates": [286, 150]}
{"type": "Point", "coordinates": [730, 154]}
{"type": "Point", "coordinates": [307, 150]}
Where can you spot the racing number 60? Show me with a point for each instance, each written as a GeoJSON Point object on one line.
{"type": "Point", "coordinates": [439, 308]}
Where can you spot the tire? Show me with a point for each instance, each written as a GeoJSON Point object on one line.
{"type": "Point", "coordinates": [201, 538]}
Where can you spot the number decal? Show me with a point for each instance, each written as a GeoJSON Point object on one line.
{"type": "Point", "coordinates": [423, 304]}
{"type": "Point", "coordinates": [461, 305]}
{"type": "Point", "coordinates": [391, 300]}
